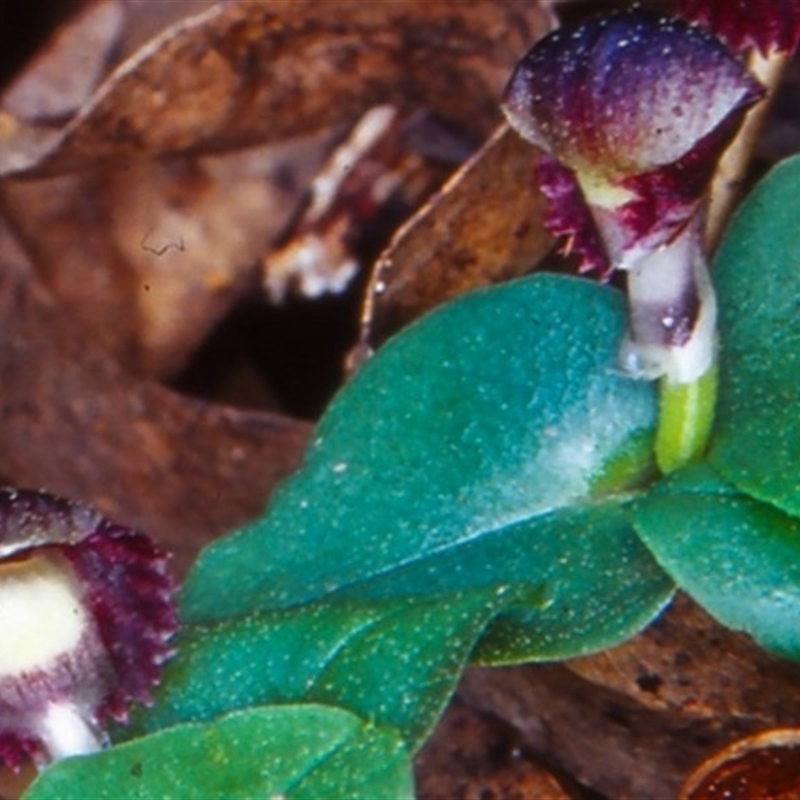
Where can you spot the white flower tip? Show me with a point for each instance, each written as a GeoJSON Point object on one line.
{"type": "Point", "coordinates": [65, 732]}
{"type": "Point", "coordinates": [685, 363]}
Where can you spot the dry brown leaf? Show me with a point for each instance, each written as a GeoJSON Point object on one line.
{"type": "Point", "coordinates": [474, 756]}
{"type": "Point", "coordinates": [81, 52]}
{"type": "Point", "coordinates": [264, 70]}
{"type": "Point", "coordinates": [761, 767]}
{"type": "Point", "coordinates": [485, 226]}
{"type": "Point", "coordinates": [604, 740]}
{"type": "Point", "coordinates": [145, 20]}
{"type": "Point", "coordinates": [632, 722]}
{"type": "Point", "coordinates": [151, 255]}
{"type": "Point", "coordinates": [74, 422]}
{"type": "Point", "coordinates": [63, 76]}
{"type": "Point", "coordinates": [687, 662]}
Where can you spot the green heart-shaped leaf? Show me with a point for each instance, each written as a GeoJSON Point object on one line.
{"type": "Point", "coordinates": [756, 441]}
{"type": "Point", "coordinates": [288, 752]}
{"type": "Point", "coordinates": [392, 650]}
{"type": "Point", "coordinates": [496, 410]}
{"type": "Point", "coordinates": [736, 556]}
{"type": "Point", "coordinates": [472, 479]}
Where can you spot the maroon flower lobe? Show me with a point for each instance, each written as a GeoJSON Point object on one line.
{"type": "Point", "coordinates": [568, 215]}
{"type": "Point", "coordinates": [637, 108]}
{"type": "Point", "coordinates": [86, 610]}
{"type": "Point", "coordinates": [767, 25]}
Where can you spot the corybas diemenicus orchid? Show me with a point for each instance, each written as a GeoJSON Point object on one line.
{"type": "Point", "coordinates": [86, 612]}
{"type": "Point", "coordinates": [632, 112]}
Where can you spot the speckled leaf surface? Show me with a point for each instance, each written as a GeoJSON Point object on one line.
{"type": "Point", "coordinates": [485, 417]}
{"type": "Point", "coordinates": [738, 557]}
{"type": "Point", "coordinates": [467, 490]}
{"type": "Point", "coordinates": [576, 582]}
{"type": "Point", "coordinates": [395, 661]}
{"type": "Point", "coordinates": [756, 442]}
{"type": "Point", "coordinates": [291, 752]}
{"type": "Point", "coordinates": [394, 652]}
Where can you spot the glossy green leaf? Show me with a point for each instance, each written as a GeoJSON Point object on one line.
{"type": "Point", "coordinates": [587, 581]}
{"type": "Point", "coordinates": [496, 410]}
{"type": "Point", "coordinates": [756, 442]}
{"type": "Point", "coordinates": [469, 483]}
{"type": "Point", "coordinates": [289, 752]}
{"type": "Point", "coordinates": [395, 662]}
{"type": "Point", "coordinates": [392, 649]}
{"type": "Point", "coordinates": [738, 557]}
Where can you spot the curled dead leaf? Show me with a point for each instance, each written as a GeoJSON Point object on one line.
{"type": "Point", "coordinates": [761, 767]}
{"type": "Point", "coordinates": [483, 227]}
{"type": "Point", "coordinates": [152, 253]}
{"type": "Point", "coordinates": [252, 71]}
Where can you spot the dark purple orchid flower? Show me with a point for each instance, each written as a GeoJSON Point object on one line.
{"type": "Point", "coordinates": [767, 25]}
{"type": "Point", "coordinates": [632, 112]}
{"type": "Point", "coordinates": [86, 613]}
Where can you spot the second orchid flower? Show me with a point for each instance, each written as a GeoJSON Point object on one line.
{"type": "Point", "coordinates": [632, 112]}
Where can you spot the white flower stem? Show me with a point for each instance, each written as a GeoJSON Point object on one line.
{"type": "Point", "coordinates": [673, 312]}
{"type": "Point", "coordinates": [66, 732]}
{"type": "Point", "coordinates": [672, 336]}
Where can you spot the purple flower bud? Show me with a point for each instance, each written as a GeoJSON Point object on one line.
{"type": "Point", "coordinates": [86, 612]}
{"type": "Point", "coordinates": [632, 112]}
{"type": "Point", "coordinates": [638, 109]}
{"type": "Point", "coordinates": [767, 25]}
